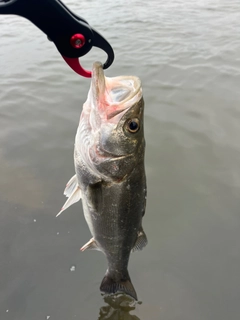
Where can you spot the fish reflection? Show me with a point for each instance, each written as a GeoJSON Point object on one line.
{"type": "Point", "coordinates": [118, 308]}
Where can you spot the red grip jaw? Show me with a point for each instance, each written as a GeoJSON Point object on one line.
{"type": "Point", "coordinates": [76, 66]}
{"type": "Point", "coordinates": [77, 41]}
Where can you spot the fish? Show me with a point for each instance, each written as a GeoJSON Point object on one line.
{"type": "Point", "coordinates": [110, 175]}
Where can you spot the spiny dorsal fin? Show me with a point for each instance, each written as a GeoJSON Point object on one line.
{"type": "Point", "coordinates": [141, 241]}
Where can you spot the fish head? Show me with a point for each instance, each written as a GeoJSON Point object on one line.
{"type": "Point", "coordinates": [117, 112]}
{"type": "Point", "coordinates": [114, 115]}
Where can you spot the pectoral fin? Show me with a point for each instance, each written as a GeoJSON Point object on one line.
{"type": "Point", "coordinates": [91, 244]}
{"type": "Point", "coordinates": [70, 186]}
{"type": "Point", "coordinates": [141, 241]}
{"type": "Point", "coordinates": [73, 192]}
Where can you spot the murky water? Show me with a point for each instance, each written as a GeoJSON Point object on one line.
{"type": "Point", "coordinates": [187, 54]}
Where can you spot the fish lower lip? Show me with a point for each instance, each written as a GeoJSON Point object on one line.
{"type": "Point", "coordinates": [105, 154]}
{"type": "Point", "coordinates": [115, 113]}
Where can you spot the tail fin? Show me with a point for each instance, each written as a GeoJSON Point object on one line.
{"type": "Point", "coordinates": [110, 285]}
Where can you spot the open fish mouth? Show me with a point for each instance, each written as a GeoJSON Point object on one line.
{"type": "Point", "coordinates": [112, 97]}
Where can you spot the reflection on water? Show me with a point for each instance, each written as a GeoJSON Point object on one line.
{"type": "Point", "coordinates": [118, 308]}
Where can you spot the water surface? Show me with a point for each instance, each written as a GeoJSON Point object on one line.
{"type": "Point", "coordinates": [187, 56]}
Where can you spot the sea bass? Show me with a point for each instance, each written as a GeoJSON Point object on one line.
{"type": "Point", "coordinates": [110, 175]}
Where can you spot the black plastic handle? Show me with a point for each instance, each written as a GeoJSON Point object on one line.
{"type": "Point", "coordinates": [55, 20]}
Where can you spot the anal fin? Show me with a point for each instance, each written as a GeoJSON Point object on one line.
{"type": "Point", "coordinates": [141, 241]}
{"type": "Point", "coordinates": [91, 244]}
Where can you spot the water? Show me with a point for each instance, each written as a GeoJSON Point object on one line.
{"type": "Point", "coordinates": [187, 55]}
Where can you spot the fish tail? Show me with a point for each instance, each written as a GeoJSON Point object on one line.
{"type": "Point", "coordinates": [111, 285]}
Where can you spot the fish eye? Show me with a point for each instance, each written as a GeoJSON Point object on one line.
{"type": "Point", "coordinates": [133, 125]}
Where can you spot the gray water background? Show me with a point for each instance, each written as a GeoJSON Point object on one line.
{"type": "Point", "coordinates": [187, 54]}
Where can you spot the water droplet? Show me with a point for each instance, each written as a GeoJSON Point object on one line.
{"type": "Point", "coordinates": [34, 220]}
{"type": "Point", "coordinates": [73, 268]}
{"type": "Point", "coordinates": [57, 233]}
{"type": "Point", "coordinates": [47, 317]}
{"type": "Point", "coordinates": [7, 310]}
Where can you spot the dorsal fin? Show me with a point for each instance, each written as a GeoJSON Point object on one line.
{"type": "Point", "coordinates": [141, 241]}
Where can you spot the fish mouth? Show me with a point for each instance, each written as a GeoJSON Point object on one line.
{"type": "Point", "coordinates": [112, 97]}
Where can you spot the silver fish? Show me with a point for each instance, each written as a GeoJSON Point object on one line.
{"type": "Point", "coordinates": [110, 175]}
